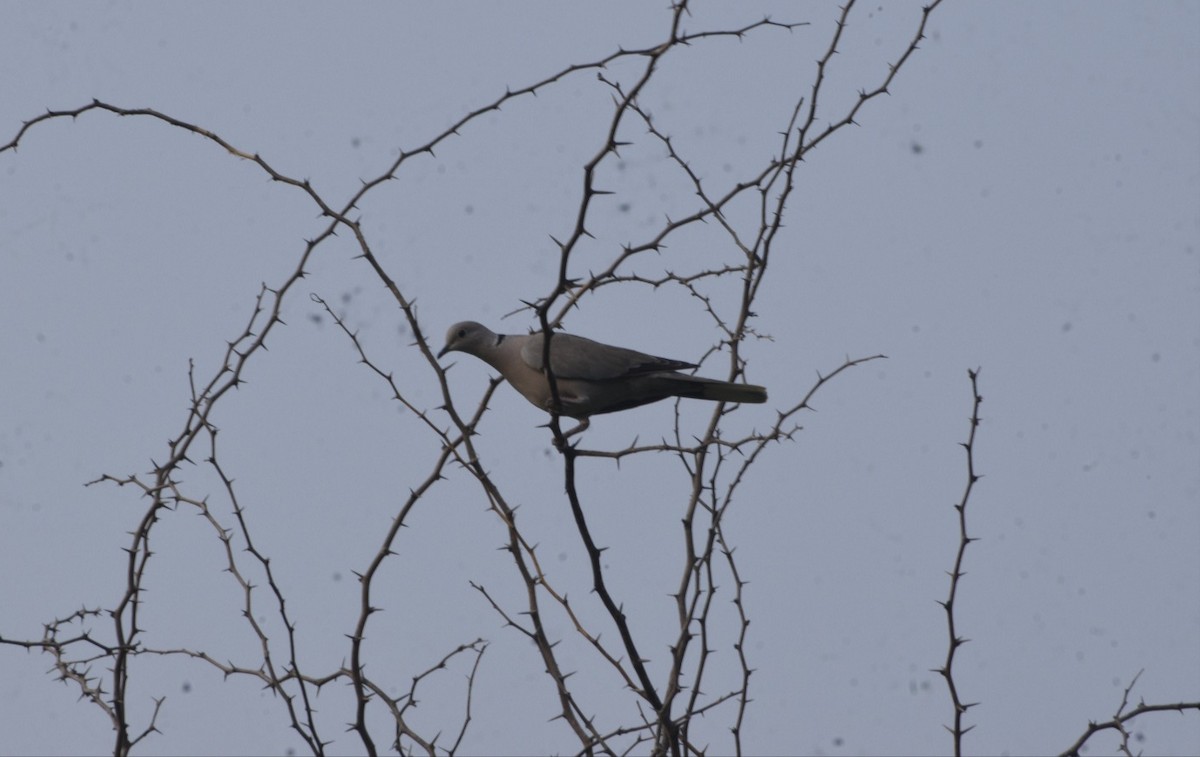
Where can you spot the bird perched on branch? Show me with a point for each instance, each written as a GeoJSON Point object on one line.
{"type": "Point", "coordinates": [591, 378]}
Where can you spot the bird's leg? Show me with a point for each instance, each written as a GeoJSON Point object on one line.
{"type": "Point", "coordinates": [583, 424]}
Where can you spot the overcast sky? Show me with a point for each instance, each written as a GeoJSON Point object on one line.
{"type": "Point", "coordinates": [1025, 201]}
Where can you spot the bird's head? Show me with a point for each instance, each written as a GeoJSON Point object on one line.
{"type": "Point", "coordinates": [469, 337]}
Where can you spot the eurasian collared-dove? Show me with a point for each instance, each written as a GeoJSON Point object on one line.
{"type": "Point", "coordinates": [591, 378]}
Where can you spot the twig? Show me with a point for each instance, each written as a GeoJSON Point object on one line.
{"type": "Point", "coordinates": [956, 575]}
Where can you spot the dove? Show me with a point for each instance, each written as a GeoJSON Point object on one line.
{"type": "Point", "coordinates": [592, 378]}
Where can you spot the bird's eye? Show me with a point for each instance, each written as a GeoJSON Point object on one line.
{"type": "Point", "coordinates": [462, 333]}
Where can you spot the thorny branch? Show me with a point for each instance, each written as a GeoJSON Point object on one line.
{"type": "Point", "coordinates": [773, 185]}
{"type": "Point", "coordinates": [958, 731]}
{"type": "Point", "coordinates": [1121, 718]}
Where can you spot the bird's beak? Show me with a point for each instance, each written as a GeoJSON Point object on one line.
{"type": "Point", "coordinates": [443, 351]}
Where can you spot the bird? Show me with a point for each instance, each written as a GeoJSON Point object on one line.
{"type": "Point", "coordinates": [591, 378]}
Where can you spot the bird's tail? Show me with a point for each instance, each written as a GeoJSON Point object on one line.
{"type": "Point", "coordinates": [719, 391]}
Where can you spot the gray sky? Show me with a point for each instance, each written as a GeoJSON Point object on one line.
{"type": "Point", "coordinates": [1026, 200]}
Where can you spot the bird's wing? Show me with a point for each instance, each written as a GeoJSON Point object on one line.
{"type": "Point", "coordinates": [575, 357]}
